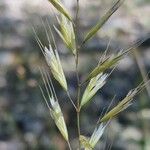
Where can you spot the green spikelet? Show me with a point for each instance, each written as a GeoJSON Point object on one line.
{"type": "Point", "coordinates": [58, 5]}
{"type": "Point", "coordinates": [103, 20]}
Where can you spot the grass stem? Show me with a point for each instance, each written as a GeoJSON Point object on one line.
{"type": "Point", "coordinates": [77, 75]}
{"type": "Point", "coordinates": [69, 145]}
{"type": "Point", "coordinates": [78, 96]}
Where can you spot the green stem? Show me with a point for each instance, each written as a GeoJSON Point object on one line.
{"type": "Point", "coordinates": [69, 145]}
{"type": "Point", "coordinates": [78, 125]}
{"type": "Point", "coordinates": [78, 98]}
{"type": "Point", "coordinates": [77, 12]}
{"type": "Point", "coordinates": [77, 75]}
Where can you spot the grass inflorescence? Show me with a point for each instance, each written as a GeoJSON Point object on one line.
{"type": "Point", "coordinates": [95, 80]}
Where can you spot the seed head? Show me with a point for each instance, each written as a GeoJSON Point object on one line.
{"type": "Point", "coordinates": [53, 61]}
{"type": "Point", "coordinates": [94, 85]}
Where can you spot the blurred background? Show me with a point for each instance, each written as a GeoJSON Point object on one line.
{"type": "Point", "coordinates": [25, 123]}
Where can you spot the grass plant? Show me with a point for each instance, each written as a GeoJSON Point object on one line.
{"type": "Point", "coordinates": [68, 32]}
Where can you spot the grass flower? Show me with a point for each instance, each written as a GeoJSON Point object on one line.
{"type": "Point", "coordinates": [53, 105]}
{"type": "Point", "coordinates": [90, 143]}
{"type": "Point", "coordinates": [59, 6]}
{"type": "Point", "coordinates": [94, 85]}
{"type": "Point", "coordinates": [59, 119]}
{"type": "Point", "coordinates": [97, 134]}
{"type": "Point", "coordinates": [125, 103]}
{"type": "Point", "coordinates": [53, 61]}
{"type": "Point", "coordinates": [107, 63]}
{"type": "Point", "coordinates": [67, 33]}
{"type": "Point", "coordinates": [112, 60]}
{"type": "Point", "coordinates": [103, 20]}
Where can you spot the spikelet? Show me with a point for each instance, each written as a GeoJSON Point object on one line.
{"type": "Point", "coordinates": [90, 143]}
{"type": "Point", "coordinates": [85, 142]}
{"type": "Point", "coordinates": [59, 119]}
{"type": "Point", "coordinates": [53, 105]}
{"type": "Point", "coordinates": [59, 6]}
{"type": "Point", "coordinates": [106, 64]}
{"type": "Point", "coordinates": [112, 61]}
{"type": "Point", "coordinates": [53, 61]}
{"type": "Point", "coordinates": [67, 33]}
{"type": "Point", "coordinates": [97, 134]}
{"type": "Point", "coordinates": [94, 85]}
{"type": "Point", "coordinates": [125, 103]}
{"type": "Point", "coordinates": [103, 20]}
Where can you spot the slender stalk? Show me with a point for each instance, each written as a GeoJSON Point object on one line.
{"type": "Point", "coordinates": [78, 126]}
{"type": "Point", "coordinates": [69, 145]}
{"type": "Point", "coordinates": [77, 13]}
{"type": "Point", "coordinates": [77, 75]}
{"type": "Point", "coordinates": [78, 102]}
{"type": "Point", "coordinates": [78, 96]}
{"type": "Point", "coordinates": [71, 101]}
